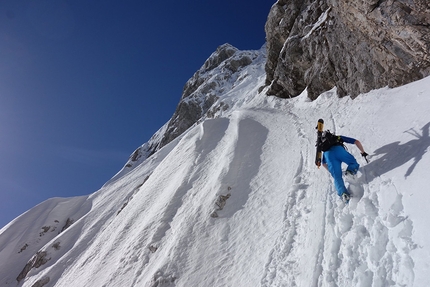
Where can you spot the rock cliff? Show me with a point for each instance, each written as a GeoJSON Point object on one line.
{"type": "Point", "coordinates": [353, 45]}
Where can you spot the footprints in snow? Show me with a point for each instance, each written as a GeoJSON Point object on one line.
{"type": "Point", "coordinates": [375, 241]}
{"type": "Point", "coordinates": [282, 265]}
{"type": "Point", "coordinates": [368, 244]}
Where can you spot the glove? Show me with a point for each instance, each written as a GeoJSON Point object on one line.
{"type": "Point", "coordinates": [364, 154]}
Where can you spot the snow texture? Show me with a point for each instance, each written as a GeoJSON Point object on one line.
{"type": "Point", "coordinates": [282, 223]}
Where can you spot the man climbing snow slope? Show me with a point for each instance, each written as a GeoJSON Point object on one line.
{"type": "Point", "coordinates": [334, 155]}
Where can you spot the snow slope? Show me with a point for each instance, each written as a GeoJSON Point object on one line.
{"type": "Point", "coordinates": [279, 221]}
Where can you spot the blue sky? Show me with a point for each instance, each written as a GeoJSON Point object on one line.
{"type": "Point", "coordinates": [84, 83]}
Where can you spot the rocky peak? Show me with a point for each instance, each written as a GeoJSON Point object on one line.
{"type": "Point", "coordinates": [200, 98]}
{"type": "Point", "coordinates": [353, 45]}
{"type": "Point", "coordinates": [221, 54]}
{"type": "Point", "coordinates": [201, 92]}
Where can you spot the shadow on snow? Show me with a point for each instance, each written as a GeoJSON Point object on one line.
{"type": "Point", "coordinates": [396, 154]}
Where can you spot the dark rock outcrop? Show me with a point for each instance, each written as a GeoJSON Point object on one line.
{"type": "Point", "coordinates": [42, 282]}
{"type": "Point", "coordinates": [69, 222]}
{"type": "Point", "coordinates": [39, 259]}
{"type": "Point", "coordinates": [353, 45]}
{"type": "Point", "coordinates": [202, 90]}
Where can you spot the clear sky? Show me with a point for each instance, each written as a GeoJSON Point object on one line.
{"type": "Point", "coordinates": [84, 83]}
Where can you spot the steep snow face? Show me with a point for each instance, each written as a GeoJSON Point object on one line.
{"type": "Point", "coordinates": [237, 200]}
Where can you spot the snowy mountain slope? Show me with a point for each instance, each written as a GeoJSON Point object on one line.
{"type": "Point", "coordinates": [238, 201]}
{"type": "Point", "coordinates": [51, 217]}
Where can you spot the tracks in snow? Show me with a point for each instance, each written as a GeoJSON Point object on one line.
{"type": "Point", "coordinates": [325, 243]}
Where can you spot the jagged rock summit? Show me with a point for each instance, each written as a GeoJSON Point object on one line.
{"type": "Point", "coordinates": [355, 46]}
{"type": "Point", "coordinates": [217, 75]}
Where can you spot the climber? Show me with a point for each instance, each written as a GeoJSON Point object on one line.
{"type": "Point", "coordinates": [333, 156]}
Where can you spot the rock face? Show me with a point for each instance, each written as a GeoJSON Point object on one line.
{"type": "Point", "coordinates": [202, 90]}
{"type": "Point", "coordinates": [353, 45]}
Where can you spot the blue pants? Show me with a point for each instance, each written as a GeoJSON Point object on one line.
{"type": "Point", "coordinates": [334, 158]}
